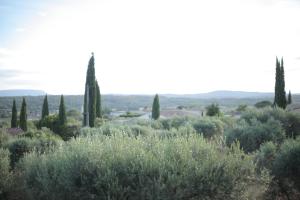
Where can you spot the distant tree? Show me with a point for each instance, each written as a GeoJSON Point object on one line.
{"type": "Point", "coordinates": [62, 117]}
{"type": "Point", "coordinates": [98, 101]}
{"type": "Point", "coordinates": [90, 95]}
{"type": "Point", "coordinates": [280, 94]}
{"type": "Point", "coordinates": [290, 101]}
{"type": "Point", "coordinates": [45, 109]}
{"type": "Point", "coordinates": [213, 110]}
{"type": "Point", "coordinates": [155, 108]}
{"type": "Point", "coordinates": [241, 108]}
{"type": "Point", "coordinates": [23, 116]}
{"type": "Point", "coordinates": [263, 104]}
{"type": "Point", "coordinates": [14, 116]}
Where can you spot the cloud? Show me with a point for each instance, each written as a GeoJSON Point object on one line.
{"type": "Point", "coordinates": [20, 29]}
{"type": "Point", "coordinates": [5, 52]}
{"type": "Point", "coordinates": [42, 13]}
{"type": "Point", "coordinates": [9, 73]}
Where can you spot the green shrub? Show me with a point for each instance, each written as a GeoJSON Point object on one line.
{"type": "Point", "coordinates": [263, 104]}
{"type": "Point", "coordinates": [287, 163]}
{"type": "Point", "coordinates": [209, 127]}
{"type": "Point", "coordinates": [124, 167]}
{"type": "Point", "coordinates": [290, 121]}
{"type": "Point", "coordinates": [266, 155]}
{"type": "Point", "coordinates": [254, 133]}
{"type": "Point", "coordinates": [39, 141]}
{"type": "Point", "coordinates": [18, 147]}
{"type": "Point", "coordinates": [213, 110]}
{"type": "Point", "coordinates": [4, 137]}
{"type": "Point", "coordinates": [5, 174]}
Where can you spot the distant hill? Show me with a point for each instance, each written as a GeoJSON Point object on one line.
{"type": "Point", "coordinates": [224, 94]}
{"type": "Point", "coordinates": [12, 93]}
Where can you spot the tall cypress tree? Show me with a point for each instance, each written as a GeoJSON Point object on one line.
{"type": "Point", "coordinates": [290, 101]}
{"type": "Point", "coordinates": [280, 94]}
{"type": "Point", "coordinates": [277, 83]}
{"type": "Point", "coordinates": [45, 109]}
{"type": "Point", "coordinates": [23, 116]}
{"type": "Point", "coordinates": [155, 108]}
{"type": "Point", "coordinates": [14, 115]}
{"type": "Point", "coordinates": [90, 95]}
{"type": "Point", "coordinates": [98, 101]}
{"type": "Point", "coordinates": [62, 118]}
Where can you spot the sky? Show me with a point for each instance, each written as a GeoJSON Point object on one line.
{"type": "Point", "coordinates": [149, 46]}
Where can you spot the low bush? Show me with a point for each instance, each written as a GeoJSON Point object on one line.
{"type": "Point", "coordinates": [39, 141]}
{"type": "Point", "coordinates": [252, 134]}
{"type": "Point", "coordinates": [266, 156]}
{"type": "Point", "coordinates": [123, 167]}
{"type": "Point", "coordinates": [4, 137]}
{"type": "Point", "coordinates": [287, 163]}
{"type": "Point", "coordinates": [290, 121]}
{"type": "Point", "coordinates": [209, 127]}
{"type": "Point", "coordinates": [5, 174]}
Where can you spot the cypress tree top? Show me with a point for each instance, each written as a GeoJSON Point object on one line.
{"type": "Point", "coordinates": [23, 116]}
{"type": "Point", "coordinates": [45, 109]}
{"type": "Point", "coordinates": [62, 111]}
{"type": "Point", "coordinates": [14, 120]}
{"type": "Point", "coordinates": [155, 108]}
{"type": "Point", "coordinates": [90, 95]}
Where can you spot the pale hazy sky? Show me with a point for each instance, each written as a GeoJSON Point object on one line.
{"type": "Point", "coordinates": [147, 47]}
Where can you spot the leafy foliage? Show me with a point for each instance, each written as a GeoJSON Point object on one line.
{"type": "Point", "coordinates": [5, 174]}
{"type": "Point", "coordinates": [213, 110]}
{"type": "Point", "coordinates": [121, 166]}
{"type": "Point", "coordinates": [254, 133]}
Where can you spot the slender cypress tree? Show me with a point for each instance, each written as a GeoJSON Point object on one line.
{"type": "Point", "coordinates": [98, 101]}
{"type": "Point", "coordinates": [290, 101]}
{"type": "Point", "coordinates": [23, 116]}
{"type": "Point", "coordinates": [62, 118]}
{"type": "Point", "coordinates": [277, 83]}
{"type": "Point", "coordinates": [280, 94]}
{"type": "Point", "coordinates": [45, 109]}
{"type": "Point", "coordinates": [14, 115]}
{"type": "Point", "coordinates": [90, 95]}
{"type": "Point", "coordinates": [155, 108]}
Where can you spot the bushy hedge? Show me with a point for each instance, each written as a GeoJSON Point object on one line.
{"type": "Point", "coordinates": [209, 127]}
{"type": "Point", "coordinates": [287, 162]}
{"type": "Point", "coordinates": [252, 134]}
{"type": "Point", "coordinates": [39, 140]}
{"type": "Point", "coordinates": [290, 121]}
{"type": "Point", "coordinates": [5, 174]}
{"type": "Point", "coordinates": [124, 167]}
{"type": "Point", "coordinates": [284, 164]}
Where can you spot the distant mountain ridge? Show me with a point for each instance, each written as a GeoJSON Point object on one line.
{"type": "Point", "coordinates": [21, 92]}
{"type": "Point", "coordinates": [221, 94]}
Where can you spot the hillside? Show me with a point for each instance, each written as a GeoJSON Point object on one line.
{"type": "Point", "coordinates": [20, 92]}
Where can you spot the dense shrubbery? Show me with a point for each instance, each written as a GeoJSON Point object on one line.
{"type": "Point", "coordinates": [209, 127]}
{"type": "Point", "coordinates": [5, 174]}
{"type": "Point", "coordinates": [174, 158]}
{"type": "Point", "coordinates": [287, 163]}
{"type": "Point", "coordinates": [284, 164]}
{"type": "Point", "coordinates": [124, 167]}
{"type": "Point", "coordinates": [290, 121]}
{"type": "Point", "coordinates": [39, 141]}
{"type": "Point", "coordinates": [252, 134]}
